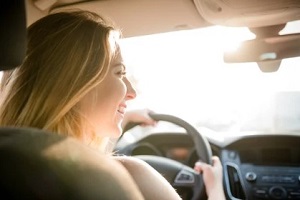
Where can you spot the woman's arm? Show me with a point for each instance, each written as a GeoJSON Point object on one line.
{"type": "Point", "coordinates": [151, 183]}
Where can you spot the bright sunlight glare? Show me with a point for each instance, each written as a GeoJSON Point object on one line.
{"type": "Point", "coordinates": [183, 73]}
{"type": "Point", "coordinates": [199, 47]}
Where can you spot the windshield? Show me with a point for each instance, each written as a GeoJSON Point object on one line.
{"type": "Point", "coordinates": [183, 74]}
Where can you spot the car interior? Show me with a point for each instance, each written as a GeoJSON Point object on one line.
{"type": "Point", "coordinates": [180, 43]}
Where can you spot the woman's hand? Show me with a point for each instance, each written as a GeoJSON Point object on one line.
{"type": "Point", "coordinates": [212, 177]}
{"type": "Point", "coordinates": [140, 117]}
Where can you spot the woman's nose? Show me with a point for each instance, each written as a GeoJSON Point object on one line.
{"type": "Point", "coordinates": [131, 93]}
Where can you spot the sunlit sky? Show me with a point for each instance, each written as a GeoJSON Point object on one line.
{"type": "Point", "coordinates": [183, 73]}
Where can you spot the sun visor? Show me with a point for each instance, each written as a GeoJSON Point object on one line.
{"type": "Point", "coordinates": [249, 13]}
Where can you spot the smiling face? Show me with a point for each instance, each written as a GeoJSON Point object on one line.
{"type": "Point", "coordinates": [105, 105]}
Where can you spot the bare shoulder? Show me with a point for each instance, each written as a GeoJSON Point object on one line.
{"type": "Point", "coordinates": [148, 179]}
{"type": "Point", "coordinates": [129, 161]}
{"type": "Point", "coordinates": [136, 166]}
{"type": "Point", "coordinates": [90, 166]}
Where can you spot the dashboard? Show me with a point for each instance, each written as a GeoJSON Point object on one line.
{"type": "Point", "coordinates": [260, 167]}
{"type": "Point", "coordinates": [174, 145]}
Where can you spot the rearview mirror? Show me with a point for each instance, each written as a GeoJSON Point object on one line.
{"type": "Point", "coordinates": [265, 49]}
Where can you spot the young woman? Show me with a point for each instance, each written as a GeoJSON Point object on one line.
{"type": "Point", "coordinates": [73, 82]}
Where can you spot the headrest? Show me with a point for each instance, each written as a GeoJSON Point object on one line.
{"type": "Point", "coordinates": [12, 33]}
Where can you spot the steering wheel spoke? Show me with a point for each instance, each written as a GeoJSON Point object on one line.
{"type": "Point", "coordinates": [185, 178]}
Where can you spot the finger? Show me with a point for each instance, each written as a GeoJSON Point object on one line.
{"type": "Point", "coordinates": [198, 167]}
{"type": "Point", "coordinates": [201, 167]}
{"type": "Point", "coordinates": [148, 122]}
{"type": "Point", "coordinates": [215, 161]}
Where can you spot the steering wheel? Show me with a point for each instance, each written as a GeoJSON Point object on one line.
{"type": "Point", "coordinates": [175, 172]}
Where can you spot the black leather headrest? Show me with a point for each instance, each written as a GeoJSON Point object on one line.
{"type": "Point", "coordinates": [12, 33]}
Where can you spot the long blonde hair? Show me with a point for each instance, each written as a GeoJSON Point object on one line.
{"type": "Point", "coordinates": [68, 54]}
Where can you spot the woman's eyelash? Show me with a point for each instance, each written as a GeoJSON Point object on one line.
{"type": "Point", "coordinates": [123, 73]}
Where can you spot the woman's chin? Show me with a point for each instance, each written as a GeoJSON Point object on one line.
{"type": "Point", "coordinates": [117, 132]}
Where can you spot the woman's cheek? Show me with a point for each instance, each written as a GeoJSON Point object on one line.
{"type": "Point", "coordinates": [123, 88]}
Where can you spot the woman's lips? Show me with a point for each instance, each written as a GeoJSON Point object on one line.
{"type": "Point", "coordinates": [122, 109]}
